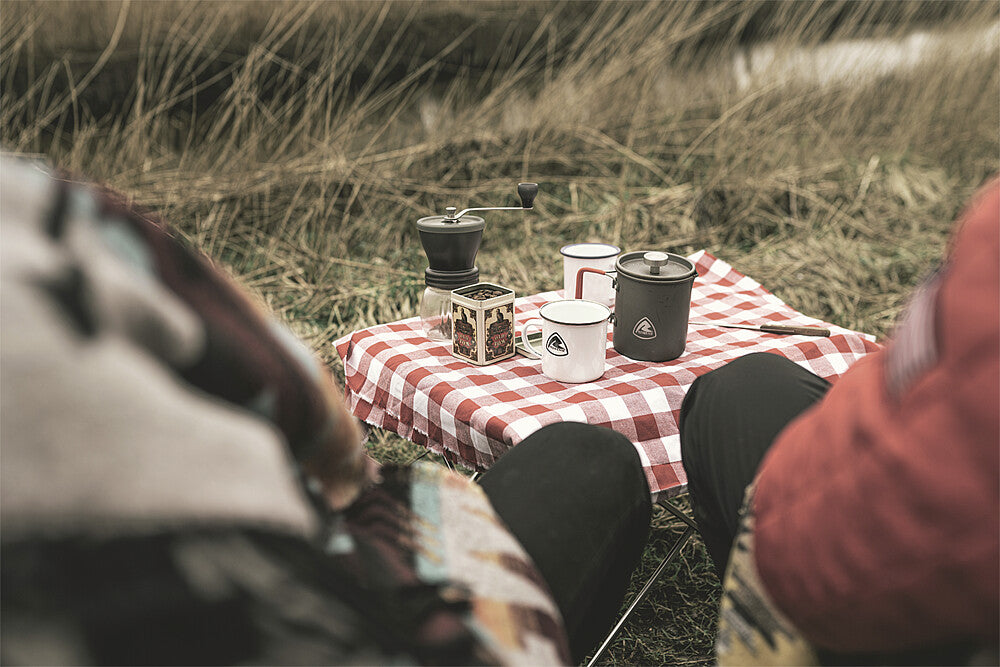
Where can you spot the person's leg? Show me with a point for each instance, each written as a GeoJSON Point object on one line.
{"type": "Point", "coordinates": [729, 418]}
{"type": "Point", "coordinates": [576, 497]}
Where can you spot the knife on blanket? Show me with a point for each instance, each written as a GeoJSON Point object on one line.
{"type": "Point", "coordinates": [770, 328]}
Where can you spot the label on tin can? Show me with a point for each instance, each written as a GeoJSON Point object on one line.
{"type": "Point", "coordinates": [499, 332]}
{"type": "Point", "coordinates": [464, 332]}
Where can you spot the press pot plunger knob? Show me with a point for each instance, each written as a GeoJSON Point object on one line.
{"type": "Point", "coordinates": [654, 260]}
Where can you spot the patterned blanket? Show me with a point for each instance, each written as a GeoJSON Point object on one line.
{"type": "Point", "coordinates": [157, 430]}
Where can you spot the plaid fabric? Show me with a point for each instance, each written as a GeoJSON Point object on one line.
{"type": "Point", "coordinates": [429, 542]}
{"type": "Point", "coordinates": [400, 380]}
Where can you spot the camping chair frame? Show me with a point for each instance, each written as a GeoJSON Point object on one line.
{"type": "Point", "coordinates": [689, 531]}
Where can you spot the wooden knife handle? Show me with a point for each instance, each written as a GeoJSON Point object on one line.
{"type": "Point", "coordinates": [796, 331]}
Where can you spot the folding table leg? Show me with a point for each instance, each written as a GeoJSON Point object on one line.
{"type": "Point", "coordinates": [447, 462]}
{"type": "Point", "coordinates": [674, 551]}
{"type": "Point", "coordinates": [419, 456]}
{"type": "Point", "coordinates": [669, 506]}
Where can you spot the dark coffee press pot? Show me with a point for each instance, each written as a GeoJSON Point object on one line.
{"type": "Point", "coordinates": [451, 242]}
{"type": "Point", "coordinates": [652, 303]}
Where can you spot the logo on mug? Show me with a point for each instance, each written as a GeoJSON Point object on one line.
{"type": "Point", "coordinates": [644, 329]}
{"type": "Point", "coordinates": [556, 346]}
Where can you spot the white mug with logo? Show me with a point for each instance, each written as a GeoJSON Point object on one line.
{"type": "Point", "coordinates": [574, 339]}
{"type": "Point", "coordinates": [600, 256]}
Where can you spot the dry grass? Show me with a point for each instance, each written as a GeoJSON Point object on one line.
{"type": "Point", "coordinates": [297, 143]}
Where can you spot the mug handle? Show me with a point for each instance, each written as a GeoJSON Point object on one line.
{"type": "Point", "coordinates": [587, 269]}
{"type": "Point", "coordinates": [524, 334]}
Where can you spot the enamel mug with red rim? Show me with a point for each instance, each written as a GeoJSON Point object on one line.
{"type": "Point", "coordinates": [594, 256]}
{"type": "Point", "coordinates": [652, 304]}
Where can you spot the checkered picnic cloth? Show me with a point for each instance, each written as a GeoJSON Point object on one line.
{"type": "Point", "coordinates": [398, 379]}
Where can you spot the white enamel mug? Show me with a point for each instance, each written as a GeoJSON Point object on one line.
{"type": "Point", "coordinates": [592, 256]}
{"type": "Point", "coordinates": [574, 339]}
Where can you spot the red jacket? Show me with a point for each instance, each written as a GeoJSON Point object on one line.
{"type": "Point", "coordinates": [877, 511]}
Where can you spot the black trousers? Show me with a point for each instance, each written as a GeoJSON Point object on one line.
{"type": "Point", "coordinates": [728, 420]}
{"type": "Point", "coordinates": [576, 498]}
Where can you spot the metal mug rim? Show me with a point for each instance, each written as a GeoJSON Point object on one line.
{"type": "Point", "coordinates": [575, 324]}
{"type": "Point", "coordinates": [562, 251]}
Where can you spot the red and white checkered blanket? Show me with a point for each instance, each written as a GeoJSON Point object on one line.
{"type": "Point", "coordinates": [399, 380]}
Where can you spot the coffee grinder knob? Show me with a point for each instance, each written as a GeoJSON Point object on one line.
{"type": "Point", "coordinates": [527, 192]}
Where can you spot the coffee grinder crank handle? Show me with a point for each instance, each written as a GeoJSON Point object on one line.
{"type": "Point", "coordinates": [526, 192]}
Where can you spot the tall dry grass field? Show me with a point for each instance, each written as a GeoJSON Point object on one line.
{"type": "Point", "coordinates": [298, 143]}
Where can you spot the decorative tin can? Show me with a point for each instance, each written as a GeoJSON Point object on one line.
{"type": "Point", "coordinates": [482, 323]}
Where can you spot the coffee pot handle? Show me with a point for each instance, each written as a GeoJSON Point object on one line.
{"type": "Point", "coordinates": [579, 279]}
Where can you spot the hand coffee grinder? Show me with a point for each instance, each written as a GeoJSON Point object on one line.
{"type": "Point", "coordinates": [451, 242]}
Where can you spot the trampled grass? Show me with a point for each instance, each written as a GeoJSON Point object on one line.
{"type": "Point", "coordinates": [298, 143]}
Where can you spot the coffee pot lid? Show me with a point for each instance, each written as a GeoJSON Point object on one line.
{"type": "Point", "coordinates": [442, 224]}
{"type": "Point", "coordinates": [656, 266]}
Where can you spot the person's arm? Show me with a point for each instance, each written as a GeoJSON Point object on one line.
{"type": "Point", "coordinates": [877, 511]}
{"type": "Point", "coordinates": [252, 360]}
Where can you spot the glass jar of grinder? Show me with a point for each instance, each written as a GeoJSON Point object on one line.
{"type": "Point", "coordinates": [451, 242]}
